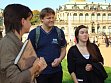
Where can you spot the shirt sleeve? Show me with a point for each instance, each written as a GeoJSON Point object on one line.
{"type": "Point", "coordinates": [63, 40]}
{"type": "Point", "coordinates": [32, 36]}
{"type": "Point", "coordinates": [70, 61]}
{"type": "Point", "coordinates": [13, 73]}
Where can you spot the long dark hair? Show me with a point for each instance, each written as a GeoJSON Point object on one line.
{"type": "Point", "coordinates": [13, 14]}
{"type": "Point", "coordinates": [89, 45]}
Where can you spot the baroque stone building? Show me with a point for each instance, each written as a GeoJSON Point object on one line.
{"type": "Point", "coordinates": [1, 22]}
{"type": "Point", "coordinates": [96, 16]}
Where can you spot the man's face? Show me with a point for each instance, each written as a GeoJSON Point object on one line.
{"type": "Point", "coordinates": [48, 20]}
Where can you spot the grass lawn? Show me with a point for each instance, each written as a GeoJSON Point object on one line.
{"type": "Point", "coordinates": [67, 78]}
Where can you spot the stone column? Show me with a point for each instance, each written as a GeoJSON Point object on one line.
{"type": "Point", "coordinates": [90, 29]}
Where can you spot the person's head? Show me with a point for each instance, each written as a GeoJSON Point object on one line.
{"type": "Point", "coordinates": [17, 17]}
{"type": "Point", "coordinates": [81, 34]}
{"type": "Point", "coordinates": [47, 16]}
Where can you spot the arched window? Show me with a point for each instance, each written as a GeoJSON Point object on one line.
{"type": "Point", "coordinates": [60, 17]}
{"type": "Point", "coordinates": [104, 16]}
{"type": "Point", "coordinates": [104, 29]}
{"type": "Point", "coordinates": [98, 16]}
{"type": "Point", "coordinates": [63, 17]}
{"type": "Point", "coordinates": [75, 16]}
{"type": "Point", "coordinates": [109, 28]}
{"type": "Point", "coordinates": [67, 15]}
{"type": "Point", "coordinates": [87, 16]}
{"type": "Point", "coordinates": [81, 17]}
{"type": "Point", "coordinates": [109, 16]}
{"type": "Point", "coordinates": [92, 16]}
{"type": "Point", "coordinates": [71, 18]}
{"type": "Point", "coordinates": [81, 14]}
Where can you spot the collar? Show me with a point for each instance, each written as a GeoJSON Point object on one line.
{"type": "Point", "coordinates": [15, 39]}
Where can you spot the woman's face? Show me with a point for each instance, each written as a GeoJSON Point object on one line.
{"type": "Point", "coordinates": [83, 35]}
{"type": "Point", "coordinates": [26, 24]}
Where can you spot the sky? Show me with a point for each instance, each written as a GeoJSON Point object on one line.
{"type": "Point", "coordinates": [40, 4]}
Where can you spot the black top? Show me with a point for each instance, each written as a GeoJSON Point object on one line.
{"type": "Point", "coordinates": [77, 63]}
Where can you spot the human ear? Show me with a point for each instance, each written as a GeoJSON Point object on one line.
{"type": "Point", "coordinates": [22, 21]}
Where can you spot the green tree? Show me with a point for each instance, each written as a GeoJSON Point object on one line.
{"type": "Point", "coordinates": [35, 19]}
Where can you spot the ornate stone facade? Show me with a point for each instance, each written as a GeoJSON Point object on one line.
{"type": "Point", "coordinates": [1, 22]}
{"type": "Point", "coordinates": [1, 18]}
{"type": "Point", "coordinates": [96, 16]}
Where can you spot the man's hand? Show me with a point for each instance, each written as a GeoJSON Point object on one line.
{"type": "Point", "coordinates": [56, 62]}
{"type": "Point", "coordinates": [39, 65]}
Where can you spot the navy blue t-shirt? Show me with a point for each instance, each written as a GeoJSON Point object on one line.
{"type": "Point", "coordinates": [48, 47]}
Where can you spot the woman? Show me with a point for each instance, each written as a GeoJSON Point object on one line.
{"type": "Point", "coordinates": [16, 24]}
{"type": "Point", "coordinates": [83, 59]}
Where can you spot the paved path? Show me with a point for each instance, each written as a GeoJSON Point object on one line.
{"type": "Point", "coordinates": [106, 53]}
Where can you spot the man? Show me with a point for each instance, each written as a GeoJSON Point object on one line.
{"type": "Point", "coordinates": [50, 47]}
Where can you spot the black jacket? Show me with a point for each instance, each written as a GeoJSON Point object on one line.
{"type": "Point", "coordinates": [99, 70]}
{"type": "Point", "coordinates": [76, 63]}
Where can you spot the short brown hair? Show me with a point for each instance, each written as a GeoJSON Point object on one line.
{"type": "Point", "coordinates": [46, 11]}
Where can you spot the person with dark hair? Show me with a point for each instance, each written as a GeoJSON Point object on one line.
{"type": "Point", "coordinates": [51, 45]}
{"type": "Point", "coordinates": [106, 40]}
{"type": "Point", "coordinates": [109, 41]}
{"type": "Point", "coordinates": [1, 35]}
{"type": "Point", "coordinates": [84, 59]}
{"type": "Point", "coordinates": [17, 22]}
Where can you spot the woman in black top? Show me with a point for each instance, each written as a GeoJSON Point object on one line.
{"type": "Point", "coordinates": [83, 59]}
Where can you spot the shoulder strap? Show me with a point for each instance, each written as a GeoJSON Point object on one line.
{"type": "Point", "coordinates": [37, 35]}
{"type": "Point", "coordinates": [59, 34]}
